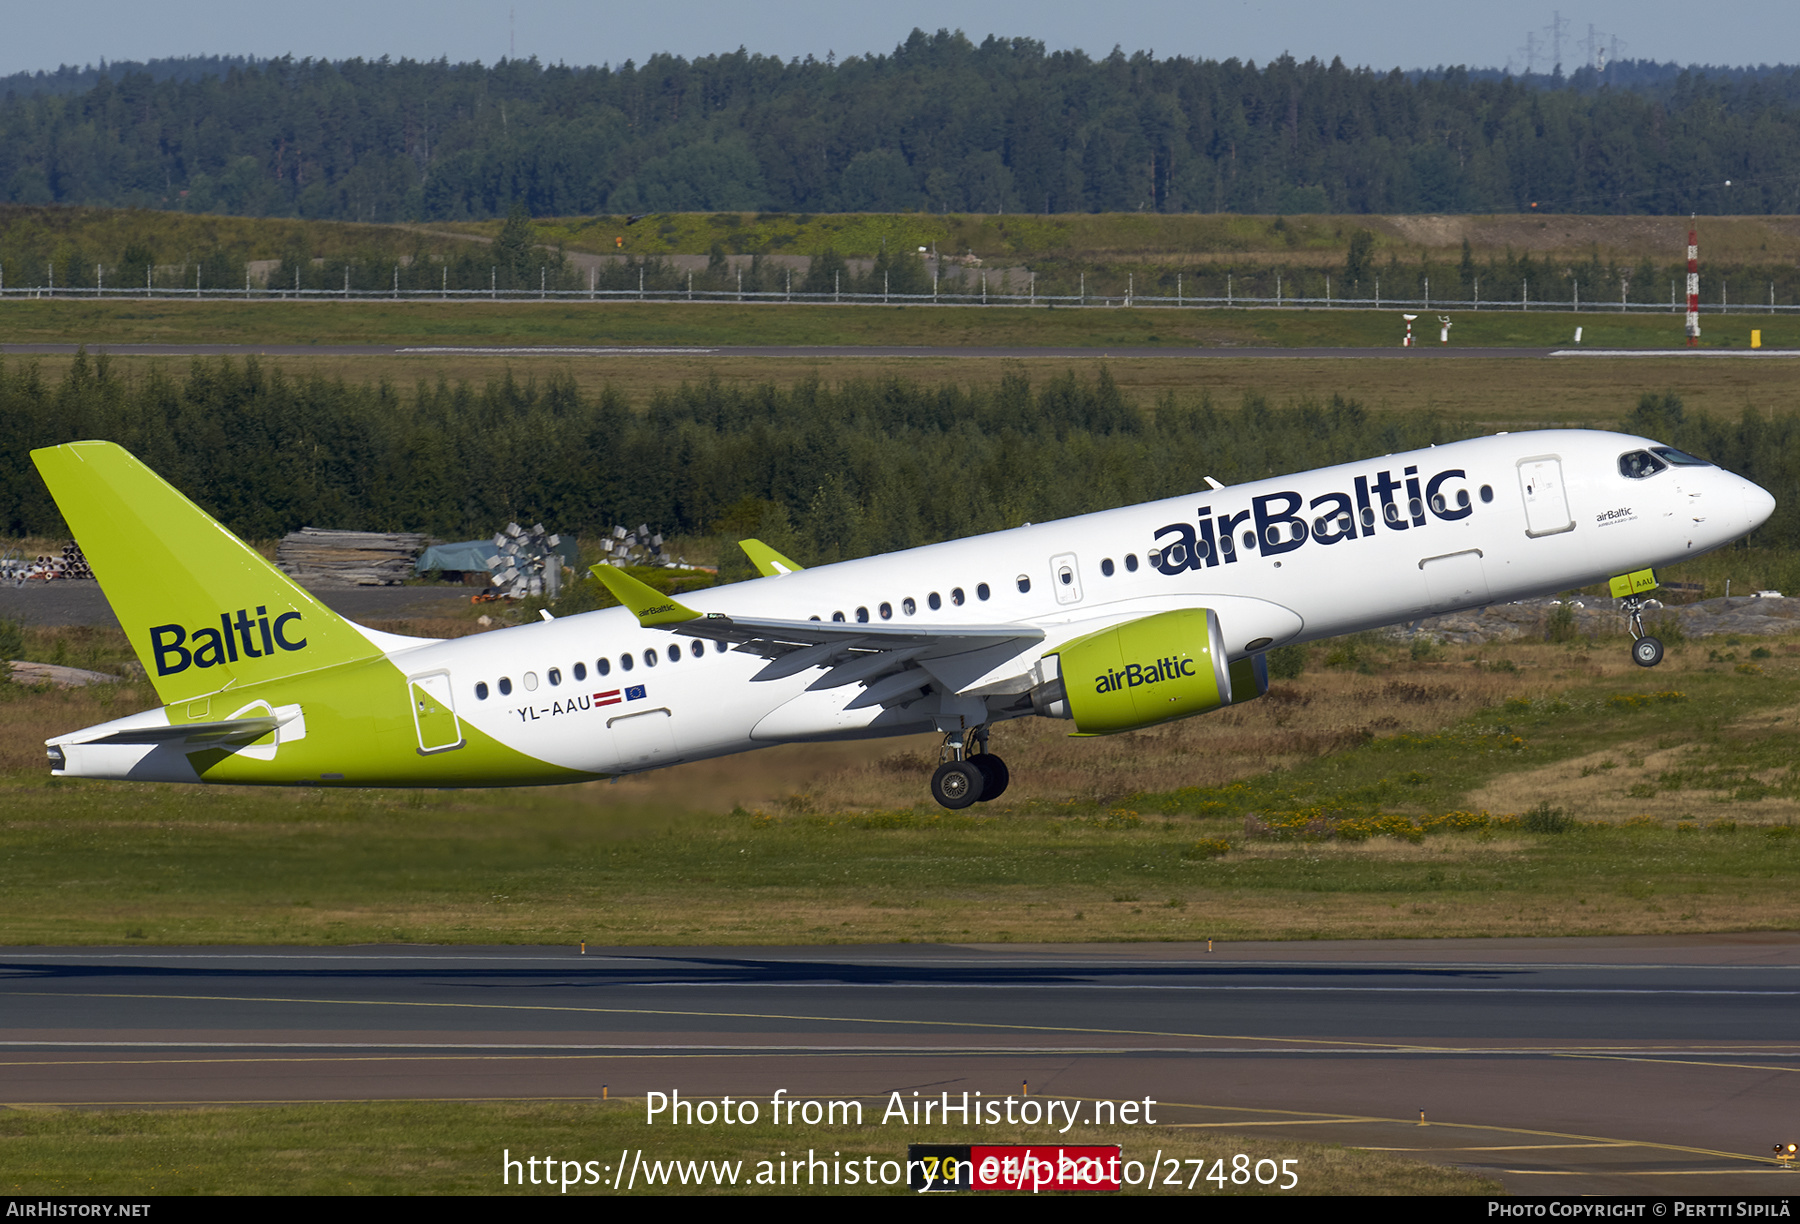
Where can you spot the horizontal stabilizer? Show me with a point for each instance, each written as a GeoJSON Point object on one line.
{"type": "Point", "coordinates": [199, 732]}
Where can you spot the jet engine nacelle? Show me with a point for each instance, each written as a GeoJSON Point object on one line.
{"type": "Point", "coordinates": [1145, 672]}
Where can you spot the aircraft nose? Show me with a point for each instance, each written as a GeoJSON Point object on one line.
{"type": "Point", "coordinates": [1759, 504]}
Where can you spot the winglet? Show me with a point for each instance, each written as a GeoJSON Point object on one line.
{"type": "Point", "coordinates": [768, 562]}
{"type": "Point", "coordinates": [648, 604]}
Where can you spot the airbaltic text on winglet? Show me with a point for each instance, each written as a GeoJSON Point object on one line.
{"type": "Point", "coordinates": [177, 649]}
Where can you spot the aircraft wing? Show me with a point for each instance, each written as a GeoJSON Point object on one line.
{"type": "Point", "coordinates": [892, 662]}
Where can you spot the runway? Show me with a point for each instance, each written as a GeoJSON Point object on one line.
{"type": "Point", "coordinates": [1622, 1066]}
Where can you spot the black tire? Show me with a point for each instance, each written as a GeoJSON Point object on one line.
{"type": "Point", "coordinates": [994, 773]}
{"type": "Point", "coordinates": [957, 784]}
{"type": "Point", "coordinates": [1646, 652]}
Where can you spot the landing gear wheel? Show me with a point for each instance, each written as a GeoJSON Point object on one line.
{"type": "Point", "coordinates": [957, 784]}
{"type": "Point", "coordinates": [1646, 652]}
{"type": "Point", "coordinates": [995, 773]}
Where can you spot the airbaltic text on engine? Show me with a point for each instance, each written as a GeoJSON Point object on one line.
{"type": "Point", "coordinates": [1134, 674]}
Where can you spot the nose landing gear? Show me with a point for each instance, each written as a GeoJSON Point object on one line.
{"type": "Point", "coordinates": [1646, 651]}
{"type": "Point", "coordinates": [964, 777]}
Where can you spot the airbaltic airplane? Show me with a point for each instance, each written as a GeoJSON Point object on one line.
{"type": "Point", "coordinates": [1117, 620]}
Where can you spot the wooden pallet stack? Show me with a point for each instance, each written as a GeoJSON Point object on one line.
{"type": "Point", "coordinates": [318, 558]}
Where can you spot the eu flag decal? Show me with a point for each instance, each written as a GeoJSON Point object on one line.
{"type": "Point", "coordinates": [635, 693]}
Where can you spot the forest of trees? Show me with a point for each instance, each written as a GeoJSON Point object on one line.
{"type": "Point", "coordinates": [941, 124]}
{"type": "Point", "coordinates": [822, 472]}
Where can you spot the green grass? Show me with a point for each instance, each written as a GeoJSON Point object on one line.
{"type": "Point", "coordinates": [457, 1148]}
{"type": "Point", "coordinates": [179, 237]}
{"type": "Point", "coordinates": [1688, 831]}
{"type": "Point", "coordinates": [1317, 240]}
{"type": "Point", "coordinates": [72, 321]}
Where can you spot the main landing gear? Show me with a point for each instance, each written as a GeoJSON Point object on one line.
{"type": "Point", "coordinates": [1646, 651]}
{"type": "Point", "coordinates": [965, 777]}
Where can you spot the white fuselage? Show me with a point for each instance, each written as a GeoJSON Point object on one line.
{"type": "Point", "coordinates": [1312, 555]}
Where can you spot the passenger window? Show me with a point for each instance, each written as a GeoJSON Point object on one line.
{"type": "Point", "coordinates": [1106, 567]}
{"type": "Point", "coordinates": [554, 675]}
{"type": "Point", "coordinates": [650, 658]}
{"type": "Point", "coordinates": [1487, 493]}
{"type": "Point", "coordinates": [1131, 562]}
{"type": "Point", "coordinates": [981, 591]}
{"type": "Point", "coordinates": [838, 617]}
{"type": "Point", "coordinates": [862, 616]}
{"type": "Point", "coordinates": [1462, 498]}
{"type": "Point", "coordinates": [481, 690]}
{"type": "Point", "coordinates": [698, 648]}
{"type": "Point", "coordinates": [506, 686]}
{"type": "Point", "coordinates": [1368, 516]}
{"type": "Point", "coordinates": [887, 611]}
{"type": "Point", "coordinates": [1249, 539]}
{"type": "Point", "coordinates": [625, 662]}
{"type": "Point", "coordinates": [603, 666]}
{"type": "Point", "coordinates": [1154, 556]}
{"type": "Point", "coordinates": [531, 682]}
{"type": "Point", "coordinates": [1024, 582]}
{"type": "Point", "coordinates": [580, 671]}
{"type": "Point", "coordinates": [675, 654]}
{"type": "Point", "coordinates": [935, 600]}
{"type": "Point", "coordinates": [1415, 507]}
{"type": "Point", "coordinates": [908, 606]}
{"type": "Point", "coordinates": [956, 596]}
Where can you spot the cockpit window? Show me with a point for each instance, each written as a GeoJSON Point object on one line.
{"type": "Point", "coordinates": [1679, 458]}
{"type": "Point", "coordinates": [1639, 465]}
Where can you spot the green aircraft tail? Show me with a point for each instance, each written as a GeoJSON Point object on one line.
{"type": "Point", "coordinates": [203, 610]}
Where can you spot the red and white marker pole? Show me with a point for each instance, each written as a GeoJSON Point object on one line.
{"type": "Point", "coordinates": [1693, 310]}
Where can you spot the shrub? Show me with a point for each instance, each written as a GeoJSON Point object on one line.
{"type": "Point", "coordinates": [1545, 819]}
{"type": "Point", "coordinates": [1287, 662]}
{"type": "Point", "coordinates": [1561, 625]}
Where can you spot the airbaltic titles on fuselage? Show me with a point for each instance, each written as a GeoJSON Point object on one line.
{"type": "Point", "coordinates": [1278, 527]}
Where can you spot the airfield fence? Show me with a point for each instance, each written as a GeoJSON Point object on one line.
{"type": "Point", "coordinates": [974, 298]}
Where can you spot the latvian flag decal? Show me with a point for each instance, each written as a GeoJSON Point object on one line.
{"type": "Point", "coordinates": [606, 699]}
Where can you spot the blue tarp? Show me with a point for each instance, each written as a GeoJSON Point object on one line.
{"type": "Point", "coordinates": [474, 554]}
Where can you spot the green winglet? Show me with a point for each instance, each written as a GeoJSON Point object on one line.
{"type": "Point", "coordinates": [648, 604]}
{"type": "Point", "coordinates": [768, 562]}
